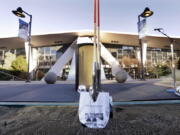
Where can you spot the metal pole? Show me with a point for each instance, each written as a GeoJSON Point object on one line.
{"type": "Point", "coordinates": [173, 66]}
{"type": "Point", "coordinates": [96, 56]}
{"type": "Point", "coordinates": [95, 53]}
{"type": "Point", "coordinates": [141, 53]}
{"type": "Point", "coordinates": [172, 55]}
{"type": "Point", "coordinates": [98, 47]}
{"type": "Point", "coordinates": [29, 45]}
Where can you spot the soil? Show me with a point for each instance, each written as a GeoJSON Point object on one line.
{"type": "Point", "coordinates": [57, 120]}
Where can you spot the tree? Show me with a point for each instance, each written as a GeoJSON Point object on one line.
{"type": "Point", "coordinates": [9, 58]}
{"type": "Point", "coordinates": [19, 64]}
{"type": "Point", "coordinates": [158, 70]}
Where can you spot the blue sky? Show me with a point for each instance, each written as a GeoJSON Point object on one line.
{"type": "Point", "coordinates": [70, 15]}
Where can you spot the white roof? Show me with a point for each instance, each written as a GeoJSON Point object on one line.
{"type": "Point", "coordinates": [64, 38]}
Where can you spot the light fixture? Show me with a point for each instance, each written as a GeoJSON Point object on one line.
{"type": "Point", "coordinates": [147, 13]}
{"type": "Point", "coordinates": [19, 12]}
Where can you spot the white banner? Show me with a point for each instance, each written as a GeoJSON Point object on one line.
{"type": "Point", "coordinates": [142, 28]}
{"type": "Point", "coordinates": [23, 30]}
{"type": "Point", "coordinates": [94, 114]}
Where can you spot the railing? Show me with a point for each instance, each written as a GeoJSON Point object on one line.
{"type": "Point", "coordinates": [13, 76]}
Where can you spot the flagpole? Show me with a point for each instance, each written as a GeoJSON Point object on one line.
{"type": "Point", "coordinates": [94, 47]}
{"type": "Point", "coordinates": [98, 46]}
{"type": "Point", "coordinates": [96, 52]}
{"type": "Point", "coordinates": [96, 71]}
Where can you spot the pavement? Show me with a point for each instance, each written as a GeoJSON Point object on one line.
{"type": "Point", "coordinates": [161, 119]}
{"type": "Point", "coordinates": [64, 91]}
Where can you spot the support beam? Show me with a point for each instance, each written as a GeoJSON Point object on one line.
{"type": "Point", "coordinates": [71, 75]}
{"type": "Point", "coordinates": [67, 56]}
{"type": "Point", "coordinates": [107, 56]}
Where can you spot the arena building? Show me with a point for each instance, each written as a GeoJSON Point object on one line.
{"type": "Point", "coordinates": [124, 47]}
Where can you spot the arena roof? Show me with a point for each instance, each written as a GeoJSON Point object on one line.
{"type": "Point", "coordinates": [111, 38]}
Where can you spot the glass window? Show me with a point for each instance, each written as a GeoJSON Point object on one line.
{"type": "Point", "coordinates": [53, 52]}
{"type": "Point", "coordinates": [47, 50]}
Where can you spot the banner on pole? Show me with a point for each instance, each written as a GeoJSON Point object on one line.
{"type": "Point", "coordinates": [23, 30]}
{"type": "Point", "coordinates": [142, 28]}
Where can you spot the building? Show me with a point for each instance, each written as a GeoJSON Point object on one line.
{"type": "Point", "coordinates": [49, 47]}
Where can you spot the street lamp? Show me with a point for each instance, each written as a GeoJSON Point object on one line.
{"type": "Point", "coordinates": [172, 41]}
{"type": "Point", "coordinates": [146, 13]}
{"type": "Point", "coordinates": [21, 13]}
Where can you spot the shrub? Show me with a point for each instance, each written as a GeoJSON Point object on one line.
{"type": "Point", "coordinates": [19, 64]}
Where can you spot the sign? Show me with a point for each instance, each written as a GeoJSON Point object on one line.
{"type": "Point", "coordinates": [142, 28]}
{"type": "Point", "coordinates": [23, 30]}
{"type": "Point", "coordinates": [94, 114]}
{"type": "Point", "coordinates": [177, 91]}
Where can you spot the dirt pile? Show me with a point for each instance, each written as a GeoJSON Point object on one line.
{"type": "Point", "coordinates": [56, 120]}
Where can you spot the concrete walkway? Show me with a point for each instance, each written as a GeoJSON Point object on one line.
{"type": "Point", "coordinates": [65, 91]}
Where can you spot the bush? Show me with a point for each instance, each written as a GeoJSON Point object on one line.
{"type": "Point", "coordinates": [164, 70]}
{"type": "Point", "coordinates": [4, 74]}
{"type": "Point", "coordinates": [20, 64]}
{"type": "Point", "coordinates": [159, 70]}
{"type": "Point", "coordinates": [9, 58]}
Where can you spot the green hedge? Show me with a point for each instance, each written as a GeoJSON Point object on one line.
{"type": "Point", "coordinates": [15, 73]}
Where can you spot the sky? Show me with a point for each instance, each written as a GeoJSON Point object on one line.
{"type": "Point", "coordinates": [53, 16]}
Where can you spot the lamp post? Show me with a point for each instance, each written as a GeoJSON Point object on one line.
{"type": "Point", "coordinates": [21, 13]}
{"type": "Point", "coordinates": [172, 41]}
{"type": "Point", "coordinates": [146, 13]}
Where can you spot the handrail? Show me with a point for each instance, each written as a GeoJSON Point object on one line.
{"type": "Point", "coordinates": [13, 76]}
{"type": "Point", "coordinates": [117, 103]}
